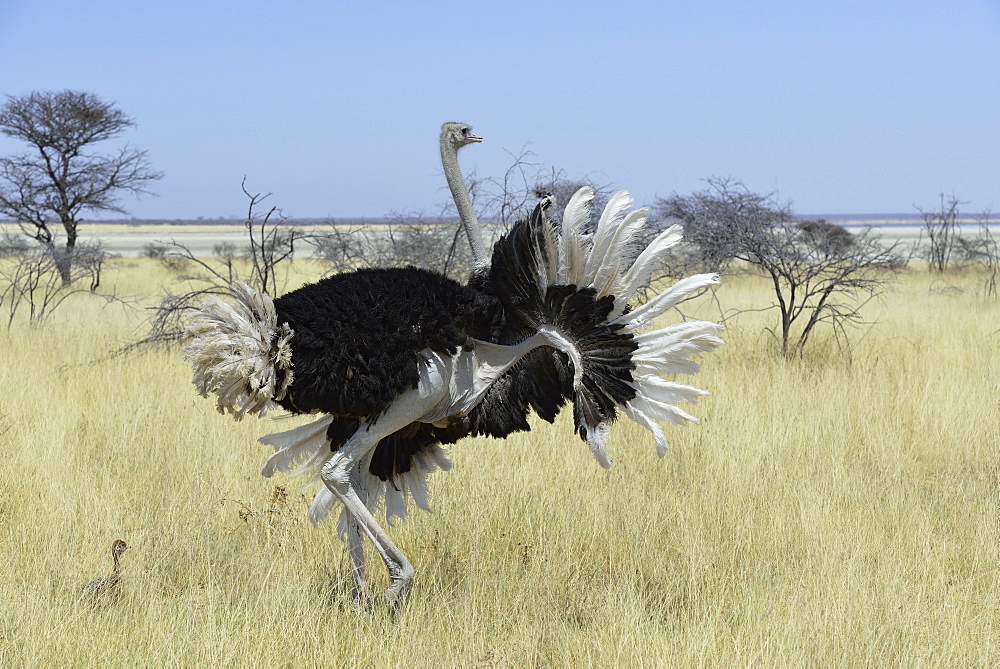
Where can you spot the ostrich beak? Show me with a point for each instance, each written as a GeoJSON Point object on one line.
{"type": "Point", "coordinates": [473, 138]}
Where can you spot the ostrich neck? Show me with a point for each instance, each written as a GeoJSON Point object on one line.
{"type": "Point", "coordinates": [449, 159]}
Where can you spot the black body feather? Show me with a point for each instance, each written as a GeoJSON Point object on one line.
{"type": "Point", "coordinates": [358, 335]}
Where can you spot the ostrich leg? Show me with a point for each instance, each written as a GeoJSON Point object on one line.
{"type": "Point", "coordinates": [336, 475]}
{"type": "Point", "coordinates": [446, 388]}
{"type": "Point", "coordinates": [341, 474]}
{"type": "Point", "coordinates": [355, 547]}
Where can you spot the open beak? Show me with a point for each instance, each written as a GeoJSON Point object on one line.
{"type": "Point", "coordinates": [473, 138]}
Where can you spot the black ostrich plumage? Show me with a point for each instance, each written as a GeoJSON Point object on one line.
{"type": "Point", "coordinates": [358, 336]}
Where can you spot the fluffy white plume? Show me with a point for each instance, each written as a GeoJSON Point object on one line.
{"type": "Point", "coordinates": [608, 280]}
{"type": "Point", "coordinates": [239, 352]}
{"type": "Point", "coordinates": [668, 350]}
{"type": "Point", "coordinates": [645, 421]}
{"type": "Point", "coordinates": [300, 449]}
{"type": "Point", "coordinates": [638, 275]}
{"type": "Point", "coordinates": [320, 508]}
{"type": "Point", "coordinates": [604, 253]}
{"type": "Point", "coordinates": [597, 440]}
{"type": "Point", "coordinates": [547, 247]}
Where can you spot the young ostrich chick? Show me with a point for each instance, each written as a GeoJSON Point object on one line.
{"type": "Point", "coordinates": [107, 589]}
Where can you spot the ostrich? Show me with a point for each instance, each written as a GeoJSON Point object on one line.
{"type": "Point", "coordinates": [401, 361]}
{"type": "Point", "coordinates": [107, 589]}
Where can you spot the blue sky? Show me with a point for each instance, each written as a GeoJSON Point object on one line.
{"type": "Point", "coordinates": [334, 107]}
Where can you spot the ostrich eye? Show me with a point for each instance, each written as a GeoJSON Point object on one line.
{"type": "Point", "coordinates": [465, 131]}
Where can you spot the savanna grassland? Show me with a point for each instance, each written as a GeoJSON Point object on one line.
{"type": "Point", "coordinates": [840, 509]}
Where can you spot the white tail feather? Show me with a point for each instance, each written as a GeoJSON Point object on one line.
{"type": "Point", "coordinates": [239, 352]}
{"type": "Point", "coordinates": [549, 248]}
{"type": "Point", "coordinates": [608, 227]}
{"type": "Point", "coordinates": [659, 389]}
{"type": "Point", "coordinates": [645, 421]}
{"type": "Point", "coordinates": [661, 410]}
{"type": "Point", "coordinates": [597, 440]}
{"type": "Point", "coordinates": [666, 300]}
{"type": "Point", "coordinates": [573, 245]}
{"type": "Point", "coordinates": [638, 275]}
{"type": "Point", "coordinates": [609, 276]}
{"type": "Point", "coordinates": [667, 351]}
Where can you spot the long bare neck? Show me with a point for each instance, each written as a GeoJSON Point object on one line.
{"type": "Point", "coordinates": [449, 160]}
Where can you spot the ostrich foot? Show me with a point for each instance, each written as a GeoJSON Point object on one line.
{"type": "Point", "coordinates": [397, 593]}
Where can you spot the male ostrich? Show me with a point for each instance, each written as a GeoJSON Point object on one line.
{"type": "Point", "coordinates": [402, 360]}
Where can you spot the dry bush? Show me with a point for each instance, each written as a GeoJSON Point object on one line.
{"type": "Point", "coordinates": [819, 273]}
{"type": "Point", "coordinates": [37, 279]}
{"type": "Point", "coordinates": [436, 243]}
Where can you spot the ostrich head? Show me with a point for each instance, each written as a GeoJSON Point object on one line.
{"type": "Point", "coordinates": [458, 135]}
{"type": "Point", "coordinates": [119, 547]}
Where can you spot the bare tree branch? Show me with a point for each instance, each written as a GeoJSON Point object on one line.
{"type": "Point", "coordinates": [941, 226]}
{"type": "Point", "coordinates": [982, 251]}
{"type": "Point", "coordinates": [270, 245]}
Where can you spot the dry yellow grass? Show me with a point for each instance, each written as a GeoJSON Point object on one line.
{"type": "Point", "coordinates": [831, 511]}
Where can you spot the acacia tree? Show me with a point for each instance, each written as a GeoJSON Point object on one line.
{"type": "Point", "coordinates": [59, 179]}
{"type": "Point", "coordinates": [819, 273]}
